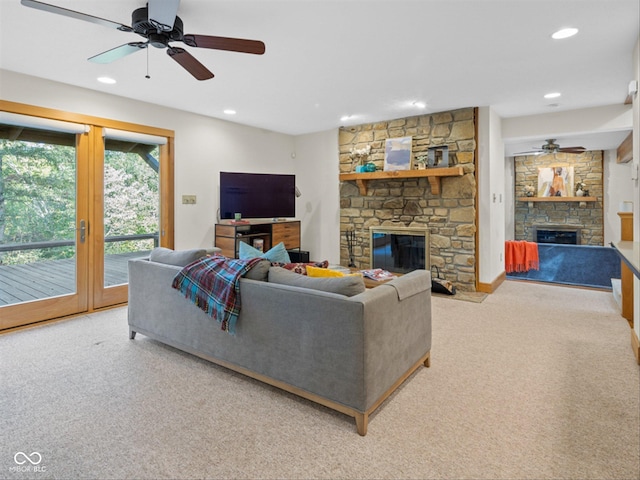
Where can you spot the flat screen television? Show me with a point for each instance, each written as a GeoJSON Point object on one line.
{"type": "Point", "coordinates": [257, 195]}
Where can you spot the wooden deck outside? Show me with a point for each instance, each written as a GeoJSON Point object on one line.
{"type": "Point", "coordinates": [35, 281]}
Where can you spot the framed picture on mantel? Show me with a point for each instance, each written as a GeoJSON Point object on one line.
{"type": "Point", "coordinates": [555, 181]}
{"type": "Point", "coordinates": [397, 154]}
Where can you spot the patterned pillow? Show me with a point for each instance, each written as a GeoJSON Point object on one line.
{"type": "Point", "coordinates": [300, 268]}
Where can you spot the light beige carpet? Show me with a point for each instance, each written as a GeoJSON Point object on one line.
{"type": "Point", "coordinates": [536, 382]}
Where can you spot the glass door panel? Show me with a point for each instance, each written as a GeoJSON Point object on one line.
{"type": "Point", "coordinates": [38, 224]}
{"type": "Point", "coordinates": [131, 206]}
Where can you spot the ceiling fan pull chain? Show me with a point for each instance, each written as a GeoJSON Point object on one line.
{"type": "Point", "coordinates": [147, 76]}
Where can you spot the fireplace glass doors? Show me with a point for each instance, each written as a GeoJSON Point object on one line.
{"type": "Point", "coordinates": [400, 249]}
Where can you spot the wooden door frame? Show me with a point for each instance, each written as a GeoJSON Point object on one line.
{"type": "Point", "coordinates": [89, 204]}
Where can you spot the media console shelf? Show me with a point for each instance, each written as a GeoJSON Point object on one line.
{"type": "Point", "coordinates": [229, 235]}
{"type": "Point", "coordinates": [433, 175]}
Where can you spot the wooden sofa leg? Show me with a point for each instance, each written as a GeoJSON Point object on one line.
{"type": "Point", "coordinates": [427, 360]}
{"type": "Point", "coordinates": [362, 421]}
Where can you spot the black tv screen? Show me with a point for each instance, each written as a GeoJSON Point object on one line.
{"type": "Point", "coordinates": [257, 195]}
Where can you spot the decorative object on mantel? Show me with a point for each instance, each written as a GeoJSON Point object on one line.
{"type": "Point", "coordinates": [529, 190]}
{"type": "Point", "coordinates": [369, 167]}
{"type": "Point", "coordinates": [438, 156]}
{"type": "Point", "coordinates": [358, 155]}
{"type": "Point", "coordinates": [580, 190]}
{"type": "Point", "coordinates": [397, 154]}
{"type": "Point", "coordinates": [421, 162]}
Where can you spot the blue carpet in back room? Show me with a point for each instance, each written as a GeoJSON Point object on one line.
{"type": "Point", "coordinates": [582, 265]}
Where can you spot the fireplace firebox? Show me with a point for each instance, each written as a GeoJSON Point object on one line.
{"type": "Point", "coordinates": [556, 234]}
{"type": "Point", "coordinates": [400, 249]}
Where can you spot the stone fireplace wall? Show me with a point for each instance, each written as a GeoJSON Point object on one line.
{"type": "Point", "coordinates": [450, 216]}
{"type": "Point", "coordinates": [588, 168]}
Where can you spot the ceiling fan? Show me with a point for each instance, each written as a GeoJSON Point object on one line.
{"type": "Point", "coordinates": [552, 147]}
{"type": "Point", "coordinates": [159, 24]}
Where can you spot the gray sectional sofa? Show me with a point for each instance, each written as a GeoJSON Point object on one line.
{"type": "Point", "coordinates": [346, 353]}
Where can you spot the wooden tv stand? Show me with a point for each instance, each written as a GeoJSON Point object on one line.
{"type": "Point", "coordinates": [228, 235]}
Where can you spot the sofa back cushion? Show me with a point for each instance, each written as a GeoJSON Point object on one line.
{"type": "Point", "coordinates": [347, 285]}
{"type": "Point", "coordinates": [179, 258]}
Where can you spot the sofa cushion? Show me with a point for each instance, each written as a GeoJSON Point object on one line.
{"type": "Point", "coordinates": [347, 285]}
{"type": "Point", "coordinates": [260, 271]}
{"type": "Point", "coordinates": [275, 254]}
{"type": "Point", "coordinates": [299, 267]}
{"type": "Point", "coordinates": [179, 258]}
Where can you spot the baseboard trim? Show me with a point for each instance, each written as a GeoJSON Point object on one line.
{"type": "Point", "coordinates": [635, 345]}
{"type": "Point", "coordinates": [493, 286]}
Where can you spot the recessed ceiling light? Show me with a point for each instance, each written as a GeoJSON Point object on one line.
{"type": "Point", "coordinates": [229, 111]}
{"type": "Point", "coordinates": [344, 118]}
{"type": "Point", "coordinates": [420, 104]}
{"type": "Point", "coordinates": [107, 80]}
{"type": "Point", "coordinates": [552, 95]}
{"type": "Point", "coordinates": [564, 33]}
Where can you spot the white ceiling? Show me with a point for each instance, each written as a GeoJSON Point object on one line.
{"type": "Point", "coordinates": [368, 59]}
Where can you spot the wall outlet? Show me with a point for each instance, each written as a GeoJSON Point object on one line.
{"type": "Point", "coordinates": [188, 199]}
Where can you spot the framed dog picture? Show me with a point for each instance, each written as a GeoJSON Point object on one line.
{"type": "Point", "coordinates": [555, 181]}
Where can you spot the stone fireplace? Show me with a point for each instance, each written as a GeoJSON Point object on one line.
{"type": "Point", "coordinates": [448, 213]}
{"type": "Point", "coordinates": [400, 249]}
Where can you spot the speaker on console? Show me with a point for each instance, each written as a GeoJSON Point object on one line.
{"type": "Point", "coordinates": [298, 256]}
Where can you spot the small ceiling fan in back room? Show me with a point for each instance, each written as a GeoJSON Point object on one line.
{"type": "Point", "coordinates": [552, 147]}
{"type": "Point", "coordinates": [159, 24]}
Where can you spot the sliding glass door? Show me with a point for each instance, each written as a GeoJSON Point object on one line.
{"type": "Point", "coordinates": [77, 201]}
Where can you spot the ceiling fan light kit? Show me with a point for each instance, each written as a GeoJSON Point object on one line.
{"type": "Point", "coordinates": [159, 24]}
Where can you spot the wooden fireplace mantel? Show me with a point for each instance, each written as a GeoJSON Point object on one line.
{"type": "Point", "coordinates": [432, 174]}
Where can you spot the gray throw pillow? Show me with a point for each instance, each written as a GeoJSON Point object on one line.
{"type": "Point", "coordinates": [260, 271]}
{"type": "Point", "coordinates": [347, 285]}
{"type": "Point", "coordinates": [179, 258]}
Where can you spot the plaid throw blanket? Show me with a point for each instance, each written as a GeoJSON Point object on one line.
{"type": "Point", "coordinates": [213, 284]}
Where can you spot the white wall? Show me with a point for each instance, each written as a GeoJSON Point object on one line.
{"type": "Point", "coordinates": [203, 146]}
{"type": "Point", "coordinates": [618, 187]}
{"type": "Point", "coordinates": [319, 206]}
{"type": "Point", "coordinates": [610, 118]}
{"type": "Point", "coordinates": [491, 195]}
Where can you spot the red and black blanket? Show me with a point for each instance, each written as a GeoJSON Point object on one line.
{"type": "Point", "coordinates": [213, 284]}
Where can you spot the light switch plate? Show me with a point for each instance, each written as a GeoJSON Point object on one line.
{"type": "Point", "coordinates": [188, 199]}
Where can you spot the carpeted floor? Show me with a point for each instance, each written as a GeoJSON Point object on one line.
{"type": "Point", "coordinates": [536, 382]}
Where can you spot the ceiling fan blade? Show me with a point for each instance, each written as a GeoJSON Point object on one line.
{"type": "Point", "coordinates": [162, 13]}
{"type": "Point", "coordinates": [118, 52]}
{"type": "Point", "coordinates": [532, 152]}
{"type": "Point", "coordinates": [189, 63]}
{"type": "Point", "coordinates": [242, 45]}
{"type": "Point", "coordinates": [45, 7]}
{"type": "Point", "coordinates": [573, 149]}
